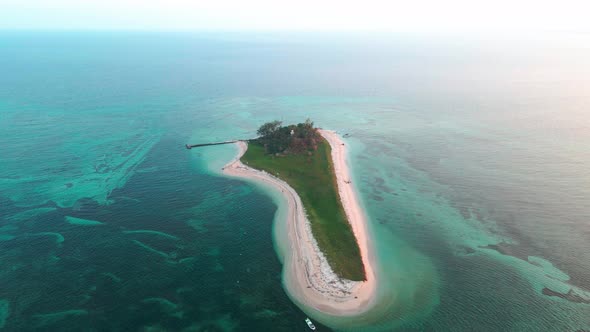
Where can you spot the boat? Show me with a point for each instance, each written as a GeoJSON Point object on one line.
{"type": "Point", "coordinates": [310, 324]}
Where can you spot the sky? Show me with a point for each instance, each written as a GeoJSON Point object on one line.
{"type": "Point", "coordinates": [298, 15]}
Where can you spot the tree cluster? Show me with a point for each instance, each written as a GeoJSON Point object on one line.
{"type": "Point", "coordinates": [297, 138]}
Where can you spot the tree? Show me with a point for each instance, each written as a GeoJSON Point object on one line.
{"type": "Point", "coordinates": [277, 139]}
{"type": "Point", "coordinates": [269, 128]}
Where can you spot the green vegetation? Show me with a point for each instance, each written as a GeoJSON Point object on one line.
{"type": "Point", "coordinates": [303, 160]}
{"type": "Point", "coordinates": [292, 139]}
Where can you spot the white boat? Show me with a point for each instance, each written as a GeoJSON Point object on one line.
{"type": "Point", "coordinates": [310, 324]}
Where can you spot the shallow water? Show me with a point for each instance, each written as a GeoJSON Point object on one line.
{"type": "Point", "coordinates": [471, 158]}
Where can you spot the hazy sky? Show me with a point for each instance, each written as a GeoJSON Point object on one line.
{"type": "Point", "coordinates": [407, 15]}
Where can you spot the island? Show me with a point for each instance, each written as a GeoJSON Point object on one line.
{"type": "Point", "coordinates": [327, 267]}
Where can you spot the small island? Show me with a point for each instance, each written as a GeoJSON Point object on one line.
{"type": "Point", "coordinates": [328, 267]}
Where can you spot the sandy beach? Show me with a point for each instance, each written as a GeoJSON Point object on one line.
{"type": "Point", "coordinates": [306, 273]}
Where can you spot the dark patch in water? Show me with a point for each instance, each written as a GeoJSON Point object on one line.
{"type": "Point", "coordinates": [467, 250]}
{"type": "Point", "coordinates": [569, 296]}
{"type": "Point", "coordinates": [377, 198]}
{"type": "Point", "coordinates": [379, 185]}
{"type": "Point", "coordinates": [85, 205]}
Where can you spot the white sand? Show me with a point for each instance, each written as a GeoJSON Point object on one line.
{"type": "Point", "coordinates": [308, 277]}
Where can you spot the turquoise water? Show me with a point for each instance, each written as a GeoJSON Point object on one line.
{"type": "Point", "coordinates": [471, 158]}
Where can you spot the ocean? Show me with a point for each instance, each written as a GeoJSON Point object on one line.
{"type": "Point", "coordinates": [471, 157]}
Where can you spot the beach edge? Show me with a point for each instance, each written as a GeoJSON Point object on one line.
{"type": "Point", "coordinates": [307, 276]}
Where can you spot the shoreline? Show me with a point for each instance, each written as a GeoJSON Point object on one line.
{"type": "Point", "coordinates": [307, 276]}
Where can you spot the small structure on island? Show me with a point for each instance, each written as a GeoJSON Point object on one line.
{"type": "Point", "coordinates": [292, 132]}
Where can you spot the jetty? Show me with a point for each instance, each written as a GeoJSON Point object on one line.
{"type": "Point", "coordinates": [190, 146]}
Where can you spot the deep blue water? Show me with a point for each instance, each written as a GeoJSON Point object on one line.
{"type": "Point", "coordinates": [471, 157]}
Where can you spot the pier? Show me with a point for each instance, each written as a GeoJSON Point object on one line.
{"type": "Point", "coordinates": [190, 146]}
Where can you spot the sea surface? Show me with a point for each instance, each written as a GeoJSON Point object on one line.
{"type": "Point", "coordinates": [471, 157]}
